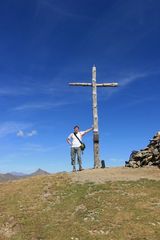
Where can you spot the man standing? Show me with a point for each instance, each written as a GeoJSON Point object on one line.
{"type": "Point", "coordinates": [75, 139]}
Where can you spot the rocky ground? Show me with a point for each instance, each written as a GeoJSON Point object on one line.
{"type": "Point", "coordinates": [116, 174]}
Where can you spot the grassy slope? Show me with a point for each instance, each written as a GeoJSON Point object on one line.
{"type": "Point", "coordinates": [51, 207]}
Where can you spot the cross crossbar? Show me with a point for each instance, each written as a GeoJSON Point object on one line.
{"type": "Point", "coordinates": [97, 84]}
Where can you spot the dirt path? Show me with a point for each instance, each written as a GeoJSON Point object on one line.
{"type": "Point", "coordinates": [116, 174]}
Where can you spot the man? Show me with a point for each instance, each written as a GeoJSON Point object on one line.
{"type": "Point", "coordinates": [75, 146]}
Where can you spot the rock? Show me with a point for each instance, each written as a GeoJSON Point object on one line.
{"type": "Point", "coordinates": [149, 156]}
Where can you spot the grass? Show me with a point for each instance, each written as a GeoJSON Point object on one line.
{"type": "Point", "coordinates": [54, 208]}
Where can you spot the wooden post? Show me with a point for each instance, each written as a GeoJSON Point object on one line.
{"type": "Point", "coordinates": [95, 120]}
{"type": "Point", "coordinates": [94, 86]}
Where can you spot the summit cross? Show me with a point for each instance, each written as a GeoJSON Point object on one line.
{"type": "Point", "coordinates": [94, 86]}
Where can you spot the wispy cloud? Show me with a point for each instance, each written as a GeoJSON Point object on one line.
{"type": "Point", "coordinates": [135, 76]}
{"type": "Point", "coordinates": [8, 128]}
{"type": "Point", "coordinates": [138, 101]}
{"type": "Point", "coordinates": [40, 106]}
{"type": "Point", "coordinates": [32, 89]}
{"type": "Point", "coordinates": [63, 11]}
{"type": "Point", "coordinates": [51, 87]}
{"type": "Point", "coordinates": [13, 92]}
{"type": "Point", "coordinates": [131, 78]}
{"type": "Point", "coordinates": [28, 148]}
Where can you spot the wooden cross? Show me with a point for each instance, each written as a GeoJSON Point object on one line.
{"type": "Point", "coordinates": [94, 86]}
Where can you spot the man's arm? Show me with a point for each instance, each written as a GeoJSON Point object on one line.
{"type": "Point", "coordinates": [87, 131]}
{"type": "Point", "coordinates": [69, 140]}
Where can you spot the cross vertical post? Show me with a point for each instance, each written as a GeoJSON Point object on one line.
{"type": "Point", "coordinates": [95, 120]}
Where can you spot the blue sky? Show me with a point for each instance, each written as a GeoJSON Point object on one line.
{"type": "Point", "coordinates": [44, 45]}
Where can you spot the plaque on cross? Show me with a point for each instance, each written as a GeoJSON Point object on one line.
{"type": "Point", "coordinates": [94, 86]}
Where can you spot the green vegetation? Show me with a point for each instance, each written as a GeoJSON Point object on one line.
{"type": "Point", "coordinates": [52, 207]}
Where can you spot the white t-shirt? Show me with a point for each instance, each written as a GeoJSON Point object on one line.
{"type": "Point", "coordinates": [74, 140]}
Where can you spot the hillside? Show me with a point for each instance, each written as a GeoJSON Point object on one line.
{"type": "Point", "coordinates": [92, 204]}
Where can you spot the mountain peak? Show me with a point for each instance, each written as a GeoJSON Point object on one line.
{"type": "Point", "coordinates": [39, 171]}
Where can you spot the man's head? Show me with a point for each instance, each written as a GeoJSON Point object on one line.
{"type": "Point", "coordinates": [76, 129]}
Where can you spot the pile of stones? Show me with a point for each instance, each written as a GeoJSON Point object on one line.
{"type": "Point", "coordinates": [149, 156]}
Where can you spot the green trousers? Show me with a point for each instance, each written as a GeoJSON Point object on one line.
{"type": "Point", "coordinates": [76, 152]}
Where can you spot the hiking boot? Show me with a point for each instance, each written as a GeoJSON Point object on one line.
{"type": "Point", "coordinates": [74, 169]}
{"type": "Point", "coordinates": [80, 168]}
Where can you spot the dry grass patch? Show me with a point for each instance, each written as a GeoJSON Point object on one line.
{"type": "Point", "coordinates": [52, 207]}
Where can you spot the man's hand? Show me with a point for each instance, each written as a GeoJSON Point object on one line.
{"type": "Point", "coordinates": [69, 141]}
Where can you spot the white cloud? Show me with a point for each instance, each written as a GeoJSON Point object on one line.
{"type": "Point", "coordinates": [20, 133]}
{"type": "Point", "coordinates": [32, 133]}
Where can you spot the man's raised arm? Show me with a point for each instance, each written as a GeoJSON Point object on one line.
{"type": "Point", "coordinates": [87, 131]}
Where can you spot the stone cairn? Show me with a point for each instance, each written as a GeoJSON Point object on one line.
{"type": "Point", "coordinates": [149, 156]}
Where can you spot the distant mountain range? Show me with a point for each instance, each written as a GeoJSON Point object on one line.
{"type": "Point", "coordinates": [18, 175]}
{"type": "Point", "coordinates": [7, 177]}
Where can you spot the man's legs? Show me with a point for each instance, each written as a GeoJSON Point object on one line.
{"type": "Point", "coordinates": [79, 153]}
{"type": "Point", "coordinates": [73, 158]}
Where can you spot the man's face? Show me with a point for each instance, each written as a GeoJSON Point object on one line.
{"type": "Point", "coordinates": [76, 130]}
